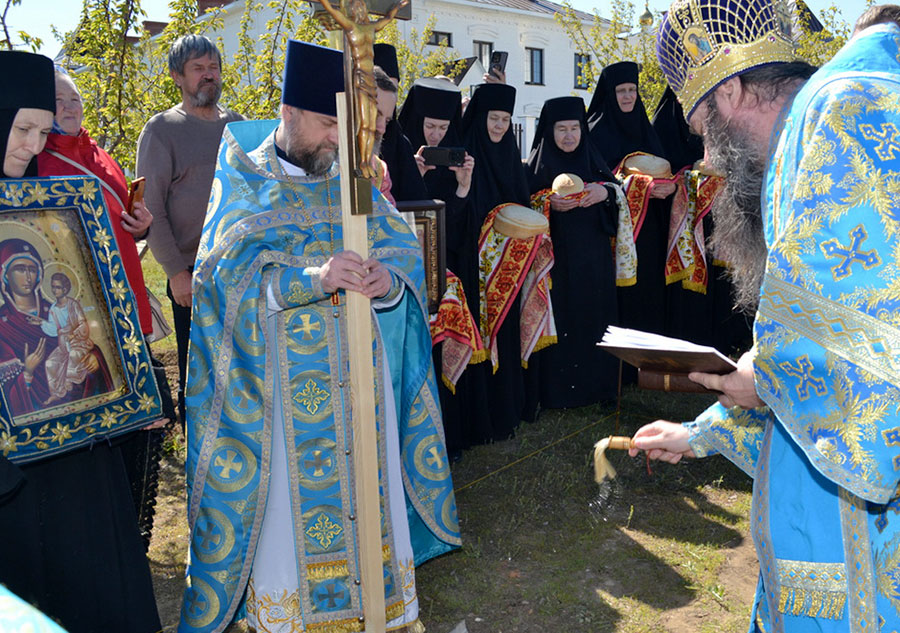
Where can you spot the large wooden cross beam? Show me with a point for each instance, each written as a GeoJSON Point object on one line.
{"type": "Point", "coordinates": [357, 111]}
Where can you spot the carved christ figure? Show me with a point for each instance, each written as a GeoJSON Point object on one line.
{"type": "Point", "coordinates": [360, 31]}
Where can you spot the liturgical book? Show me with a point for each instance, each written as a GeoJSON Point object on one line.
{"type": "Point", "coordinates": [663, 362]}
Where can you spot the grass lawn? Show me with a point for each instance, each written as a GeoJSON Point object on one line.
{"type": "Point", "coordinates": [668, 551]}
{"type": "Point", "coordinates": [155, 280]}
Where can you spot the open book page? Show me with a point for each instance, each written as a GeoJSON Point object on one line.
{"type": "Point", "coordinates": [653, 352]}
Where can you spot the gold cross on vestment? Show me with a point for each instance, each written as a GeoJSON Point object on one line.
{"type": "Point", "coordinates": [228, 463]}
{"type": "Point", "coordinates": [803, 371]}
{"type": "Point", "coordinates": [851, 253]}
{"type": "Point", "coordinates": [888, 135]}
{"type": "Point", "coordinates": [308, 326]}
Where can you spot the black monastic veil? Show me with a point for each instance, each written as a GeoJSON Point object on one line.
{"type": "Point", "coordinates": [575, 372]}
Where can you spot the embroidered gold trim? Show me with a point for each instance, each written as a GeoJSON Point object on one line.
{"type": "Point", "coordinates": [817, 590]}
{"type": "Point", "coordinates": [850, 334]}
{"type": "Point", "coordinates": [862, 612]}
{"type": "Point", "coordinates": [317, 572]}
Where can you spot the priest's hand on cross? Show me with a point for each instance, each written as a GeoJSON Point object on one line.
{"type": "Point", "coordinates": [347, 270]}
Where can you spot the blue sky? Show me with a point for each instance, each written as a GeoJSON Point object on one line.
{"type": "Point", "coordinates": [32, 15]}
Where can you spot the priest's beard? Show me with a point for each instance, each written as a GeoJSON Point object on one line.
{"type": "Point", "coordinates": [315, 161]}
{"type": "Point", "coordinates": [738, 236]}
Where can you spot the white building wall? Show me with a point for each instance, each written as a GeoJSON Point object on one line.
{"type": "Point", "coordinates": [508, 29]}
{"type": "Point", "coordinates": [513, 31]}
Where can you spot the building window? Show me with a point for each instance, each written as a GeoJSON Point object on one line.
{"type": "Point", "coordinates": [581, 64]}
{"type": "Point", "coordinates": [440, 38]}
{"type": "Point", "coordinates": [483, 52]}
{"type": "Point", "coordinates": [535, 66]}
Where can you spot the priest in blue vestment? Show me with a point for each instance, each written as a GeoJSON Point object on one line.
{"type": "Point", "coordinates": [271, 498]}
{"type": "Point", "coordinates": [813, 411]}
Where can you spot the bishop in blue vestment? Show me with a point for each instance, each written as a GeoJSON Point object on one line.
{"type": "Point", "coordinates": [823, 444]}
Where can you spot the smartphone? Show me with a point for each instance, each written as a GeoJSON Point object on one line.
{"type": "Point", "coordinates": [498, 62]}
{"type": "Point", "coordinates": [135, 194]}
{"type": "Point", "coordinates": [444, 156]}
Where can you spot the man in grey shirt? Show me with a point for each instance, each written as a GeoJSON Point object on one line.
{"type": "Point", "coordinates": [176, 153]}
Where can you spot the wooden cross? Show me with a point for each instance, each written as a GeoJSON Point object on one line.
{"type": "Point", "coordinates": [357, 110]}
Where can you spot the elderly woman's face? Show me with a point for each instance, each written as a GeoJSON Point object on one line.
{"type": "Point", "coordinates": [69, 111]}
{"type": "Point", "coordinates": [626, 96]}
{"type": "Point", "coordinates": [567, 135]}
{"type": "Point", "coordinates": [497, 124]}
{"type": "Point", "coordinates": [27, 137]}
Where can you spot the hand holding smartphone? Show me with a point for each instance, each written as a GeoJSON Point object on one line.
{"type": "Point", "coordinates": [444, 156]}
{"type": "Point", "coordinates": [498, 63]}
{"type": "Point", "coordinates": [135, 194]}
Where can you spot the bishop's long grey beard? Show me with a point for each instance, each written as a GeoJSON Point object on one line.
{"type": "Point", "coordinates": [737, 236]}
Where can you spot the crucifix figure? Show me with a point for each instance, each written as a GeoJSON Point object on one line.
{"type": "Point", "coordinates": [360, 33]}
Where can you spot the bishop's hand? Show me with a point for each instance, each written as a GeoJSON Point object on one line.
{"type": "Point", "coordinates": [662, 440]}
{"type": "Point", "coordinates": [738, 388]}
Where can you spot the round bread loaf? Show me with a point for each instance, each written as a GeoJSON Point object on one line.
{"type": "Point", "coordinates": [648, 165]}
{"type": "Point", "coordinates": [521, 222]}
{"type": "Point", "coordinates": [567, 184]}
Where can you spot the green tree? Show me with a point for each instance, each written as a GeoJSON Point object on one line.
{"type": "Point", "coordinates": [252, 80]}
{"type": "Point", "coordinates": [818, 46]}
{"type": "Point", "coordinates": [33, 43]}
{"type": "Point", "coordinates": [614, 39]}
{"type": "Point", "coordinates": [124, 80]}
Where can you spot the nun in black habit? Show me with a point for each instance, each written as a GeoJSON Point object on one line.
{"type": "Point", "coordinates": [619, 127]}
{"type": "Point", "coordinates": [71, 544]}
{"type": "Point", "coordinates": [575, 372]}
{"type": "Point", "coordinates": [498, 178]}
{"type": "Point", "coordinates": [707, 319]}
{"type": "Point", "coordinates": [431, 116]}
{"type": "Point", "coordinates": [396, 151]}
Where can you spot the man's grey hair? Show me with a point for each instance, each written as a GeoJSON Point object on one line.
{"type": "Point", "coordinates": [188, 47]}
{"type": "Point", "coordinates": [382, 81]}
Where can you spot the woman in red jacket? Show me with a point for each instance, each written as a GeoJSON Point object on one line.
{"type": "Point", "coordinates": [70, 151]}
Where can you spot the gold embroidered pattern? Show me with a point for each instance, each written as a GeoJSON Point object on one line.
{"type": "Point", "coordinates": [271, 613]}
{"type": "Point", "coordinates": [891, 436]}
{"type": "Point", "coordinates": [887, 568]}
{"type": "Point", "coordinates": [860, 338]}
{"type": "Point", "coordinates": [324, 530]}
{"type": "Point", "coordinates": [803, 371]}
{"type": "Point", "coordinates": [311, 396]}
{"type": "Point", "coordinates": [298, 295]}
{"type": "Point", "coordinates": [888, 137]}
{"type": "Point", "coordinates": [736, 434]}
{"type": "Point", "coordinates": [858, 558]}
{"type": "Point", "coordinates": [307, 326]}
{"type": "Point", "coordinates": [854, 420]}
{"type": "Point", "coordinates": [850, 254]}
{"type": "Point", "coordinates": [817, 590]}
{"type": "Point", "coordinates": [317, 572]}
